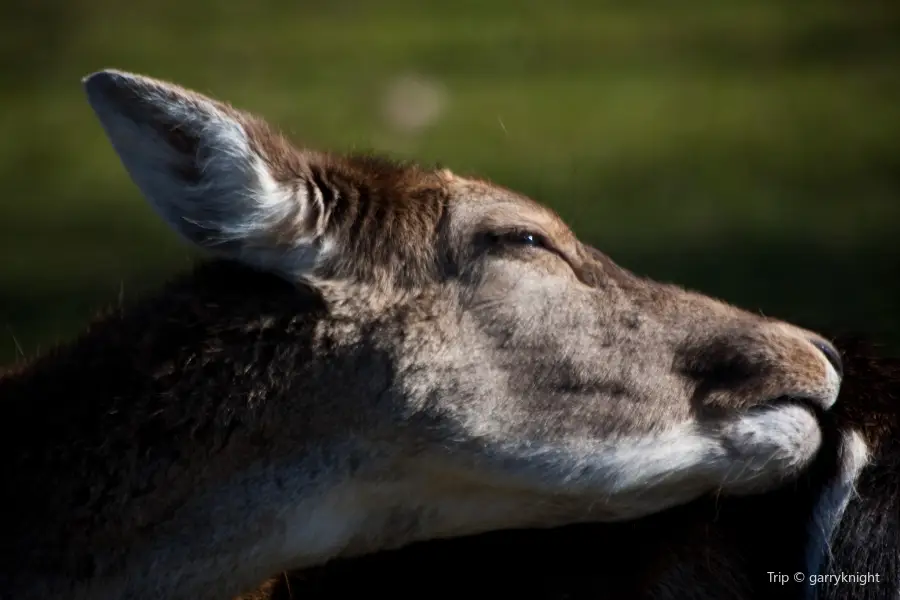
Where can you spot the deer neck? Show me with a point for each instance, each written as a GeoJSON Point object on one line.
{"type": "Point", "coordinates": [174, 435]}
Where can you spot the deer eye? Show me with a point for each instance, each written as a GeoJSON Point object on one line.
{"type": "Point", "coordinates": [522, 238]}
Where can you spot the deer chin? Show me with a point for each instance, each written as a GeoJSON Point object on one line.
{"type": "Point", "coordinates": [775, 441]}
{"type": "Point", "coordinates": [773, 444]}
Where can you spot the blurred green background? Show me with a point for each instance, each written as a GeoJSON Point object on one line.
{"type": "Point", "coordinates": [748, 149]}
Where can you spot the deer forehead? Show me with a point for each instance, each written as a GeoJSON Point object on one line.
{"type": "Point", "coordinates": [478, 203]}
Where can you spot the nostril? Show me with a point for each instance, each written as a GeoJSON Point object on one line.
{"type": "Point", "coordinates": [831, 354]}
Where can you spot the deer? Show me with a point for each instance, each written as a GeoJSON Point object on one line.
{"type": "Point", "coordinates": [831, 534]}
{"type": "Point", "coordinates": [370, 353]}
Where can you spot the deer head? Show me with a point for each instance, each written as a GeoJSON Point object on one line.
{"type": "Point", "coordinates": [466, 364]}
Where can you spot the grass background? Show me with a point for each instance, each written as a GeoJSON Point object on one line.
{"type": "Point", "coordinates": [749, 149]}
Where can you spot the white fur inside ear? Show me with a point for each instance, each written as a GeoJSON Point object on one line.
{"type": "Point", "coordinates": [193, 160]}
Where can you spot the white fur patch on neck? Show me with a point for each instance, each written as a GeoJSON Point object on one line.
{"type": "Point", "coordinates": [828, 512]}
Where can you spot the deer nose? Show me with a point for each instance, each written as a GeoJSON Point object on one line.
{"type": "Point", "coordinates": [831, 353]}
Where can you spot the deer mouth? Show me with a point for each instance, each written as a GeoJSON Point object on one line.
{"type": "Point", "coordinates": [816, 406]}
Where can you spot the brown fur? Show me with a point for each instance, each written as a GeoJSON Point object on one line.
{"type": "Point", "coordinates": [374, 355]}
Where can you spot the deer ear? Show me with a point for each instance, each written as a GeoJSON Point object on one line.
{"type": "Point", "coordinates": [221, 178]}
